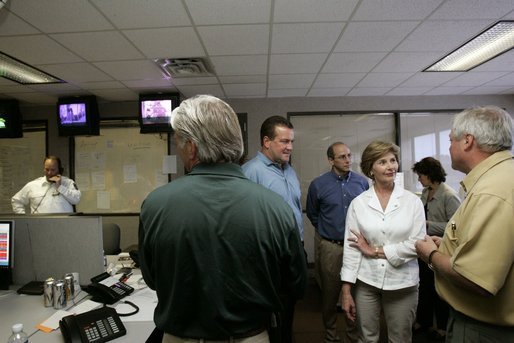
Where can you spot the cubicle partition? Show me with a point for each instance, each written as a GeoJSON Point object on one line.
{"type": "Point", "coordinates": [54, 245]}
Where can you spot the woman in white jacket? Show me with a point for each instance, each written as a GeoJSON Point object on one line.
{"type": "Point", "coordinates": [380, 268]}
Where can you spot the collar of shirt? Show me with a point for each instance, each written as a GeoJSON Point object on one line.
{"type": "Point", "coordinates": [474, 175]}
{"type": "Point", "coordinates": [269, 162]}
{"type": "Point", "coordinates": [227, 169]}
{"type": "Point", "coordinates": [342, 178]}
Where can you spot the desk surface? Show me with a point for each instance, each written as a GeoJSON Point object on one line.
{"type": "Point", "coordinates": [30, 311]}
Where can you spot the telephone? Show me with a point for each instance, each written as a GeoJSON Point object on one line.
{"type": "Point", "coordinates": [106, 289]}
{"type": "Point", "coordinates": [98, 326]}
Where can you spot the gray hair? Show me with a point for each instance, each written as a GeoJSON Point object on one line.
{"type": "Point", "coordinates": [490, 125]}
{"type": "Point", "coordinates": [212, 125]}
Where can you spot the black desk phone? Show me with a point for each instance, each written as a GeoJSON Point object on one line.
{"type": "Point", "coordinates": [107, 290]}
{"type": "Point", "coordinates": [95, 326]}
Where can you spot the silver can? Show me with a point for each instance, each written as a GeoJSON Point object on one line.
{"type": "Point", "coordinates": [48, 297]}
{"type": "Point", "coordinates": [69, 287]}
{"type": "Point", "coordinates": [59, 295]}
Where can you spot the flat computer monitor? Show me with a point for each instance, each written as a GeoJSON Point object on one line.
{"type": "Point", "coordinates": [6, 252]}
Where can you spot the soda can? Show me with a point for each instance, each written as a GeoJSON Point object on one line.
{"type": "Point", "coordinates": [59, 295]}
{"type": "Point", "coordinates": [69, 287]}
{"type": "Point", "coordinates": [48, 297]}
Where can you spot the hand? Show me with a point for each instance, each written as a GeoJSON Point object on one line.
{"type": "Point", "coordinates": [348, 305]}
{"type": "Point", "coordinates": [56, 179]}
{"type": "Point", "coordinates": [360, 242]}
{"type": "Point", "coordinates": [425, 246]}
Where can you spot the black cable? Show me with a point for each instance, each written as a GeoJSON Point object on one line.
{"type": "Point", "coordinates": [129, 313]}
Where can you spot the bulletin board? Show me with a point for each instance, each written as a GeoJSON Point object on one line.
{"type": "Point", "coordinates": [116, 170]}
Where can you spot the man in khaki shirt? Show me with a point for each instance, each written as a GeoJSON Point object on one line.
{"type": "Point", "coordinates": [474, 261]}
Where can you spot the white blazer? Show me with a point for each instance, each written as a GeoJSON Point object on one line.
{"type": "Point", "coordinates": [396, 230]}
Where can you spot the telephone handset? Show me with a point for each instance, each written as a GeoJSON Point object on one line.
{"type": "Point", "coordinates": [106, 289]}
{"type": "Point", "coordinates": [98, 326]}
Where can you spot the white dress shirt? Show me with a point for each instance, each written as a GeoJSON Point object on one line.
{"type": "Point", "coordinates": [44, 197]}
{"type": "Point", "coordinates": [396, 230]}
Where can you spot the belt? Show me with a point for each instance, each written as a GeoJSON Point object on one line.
{"type": "Point", "coordinates": [335, 241]}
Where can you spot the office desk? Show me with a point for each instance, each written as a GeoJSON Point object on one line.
{"type": "Point", "coordinates": [30, 311]}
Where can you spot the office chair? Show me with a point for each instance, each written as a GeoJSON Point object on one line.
{"type": "Point", "coordinates": [111, 238]}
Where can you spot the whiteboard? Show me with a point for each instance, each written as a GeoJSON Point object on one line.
{"type": "Point", "coordinates": [118, 169]}
{"type": "Point", "coordinates": [21, 161]}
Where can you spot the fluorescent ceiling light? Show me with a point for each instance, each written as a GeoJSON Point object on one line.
{"type": "Point", "coordinates": [496, 40]}
{"type": "Point", "coordinates": [17, 71]}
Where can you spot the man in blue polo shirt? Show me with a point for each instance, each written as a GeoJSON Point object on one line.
{"type": "Point", "coordinates": [271, 169]}
{"type": "Point", "coordinates": [327, 203]}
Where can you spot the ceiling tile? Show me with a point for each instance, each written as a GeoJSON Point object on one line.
{"type": "Point", "coordinates": [190, 91]}
{"type": "Point", "coordinates": [473, 9]}
{"type": "Point", "coordinates": [296, 63]}
{"type": "Point", "coordinates": [228, 39]}
{"type": "Point", "coordinates": [176, 42]}
{"type": "Point", "coordinates": [443, 36]}
{"type": "Point", "coordinates": [369, 91]}
{"type": "Point", "coordinates": [77, 72]}
{"type": "Point", "coordinates": [338, 80]}
{"type": "Point", "coordinates": [240, 65]}
{"type": "Point", "coordinates": [395, 9]}
{"type": "Point", "coordinates": [329, 91]}
{"type": "Point", "coordinates": [507, 80]}
{"type": "Point", "coordinates": [290, 81]}
{"type": "Point", "coordinates": [489, 90]}
{"type": "Point", "coordinates": [131, 70]}
{"type": "Point", "coordinates": [429, 79]}
{"type": "Point", "coordinates": [290, 92]}
{"type": "Point", "coordinates": [374, 36]}
{"type": "Point", "coordinates": [383, 79]}
{"type": "Point", "coordinates": [61, 15]}
{"type": "Point", "coordinates": [208, 80]}
{"type": "Point", "coordinates": [352, 62]}
{"type": "Point", "coordinates": [407, 61]}
{"type": "Point", "coordinates": [254, 89]}
{"type": "Point", "coordinates": [243, 79]}
{"type": "Point", "coordinates": [48, 51]}
{"type": "Point", "coordinates": [408, 91]}
{"type": "Point", "coordinates": [99, 46]}
{"type": "Point", "coordinates": [144, 14]}
{"type": "Point", "coordinates": [311, 11]}
{"type": "Point", "coordinates": [208, 12]}
{"type": "Point", "coordinates": [298, 38]}
{"type": "Point", "coordinates": [447, 90]}
{"type": "Point", "coordinates": [12, 25]}
{"type": "Point", "coordinates": [474, 79]}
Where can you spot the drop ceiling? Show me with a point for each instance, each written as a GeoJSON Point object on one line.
{"type": "Point", "coordinates": [255, 48]}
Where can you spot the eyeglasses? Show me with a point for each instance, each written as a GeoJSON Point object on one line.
{"type": "Point", "coordinates": [343, 157]}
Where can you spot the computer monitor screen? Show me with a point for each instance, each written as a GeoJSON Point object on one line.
{"type": "Point", "coordinates": [6, 243]}
{"type": "Point", "coordinates": [11, 121]}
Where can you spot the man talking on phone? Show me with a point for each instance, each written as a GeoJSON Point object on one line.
{"type": "Point", "coordinates": [52, 193]}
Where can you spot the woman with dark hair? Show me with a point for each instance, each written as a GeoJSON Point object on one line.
{"type": "Point", "coordinates": [440, 202]}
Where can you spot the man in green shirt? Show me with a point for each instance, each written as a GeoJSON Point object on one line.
{"type": "Point", "coordinates": [217, 248]}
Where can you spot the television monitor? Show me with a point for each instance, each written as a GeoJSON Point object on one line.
{"type": "Point", "coordinates": [78, 116]}
{"type": "Point", "coordinates": [11, 121]}
{"type": "Point", "coordinates": [155, 111]}
{"type": "Point", "coordinates": [6, 252]}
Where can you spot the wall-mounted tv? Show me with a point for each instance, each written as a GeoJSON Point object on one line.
{"type": "Point", "coordinates": [155, 111]}
{"type": "Point", "coordinates": [78, 116]}
{"type": "Point", "coordinates": [11, 121]}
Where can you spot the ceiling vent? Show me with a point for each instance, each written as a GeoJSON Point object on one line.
{"type": "Point", "coordinates": [184, 67]}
